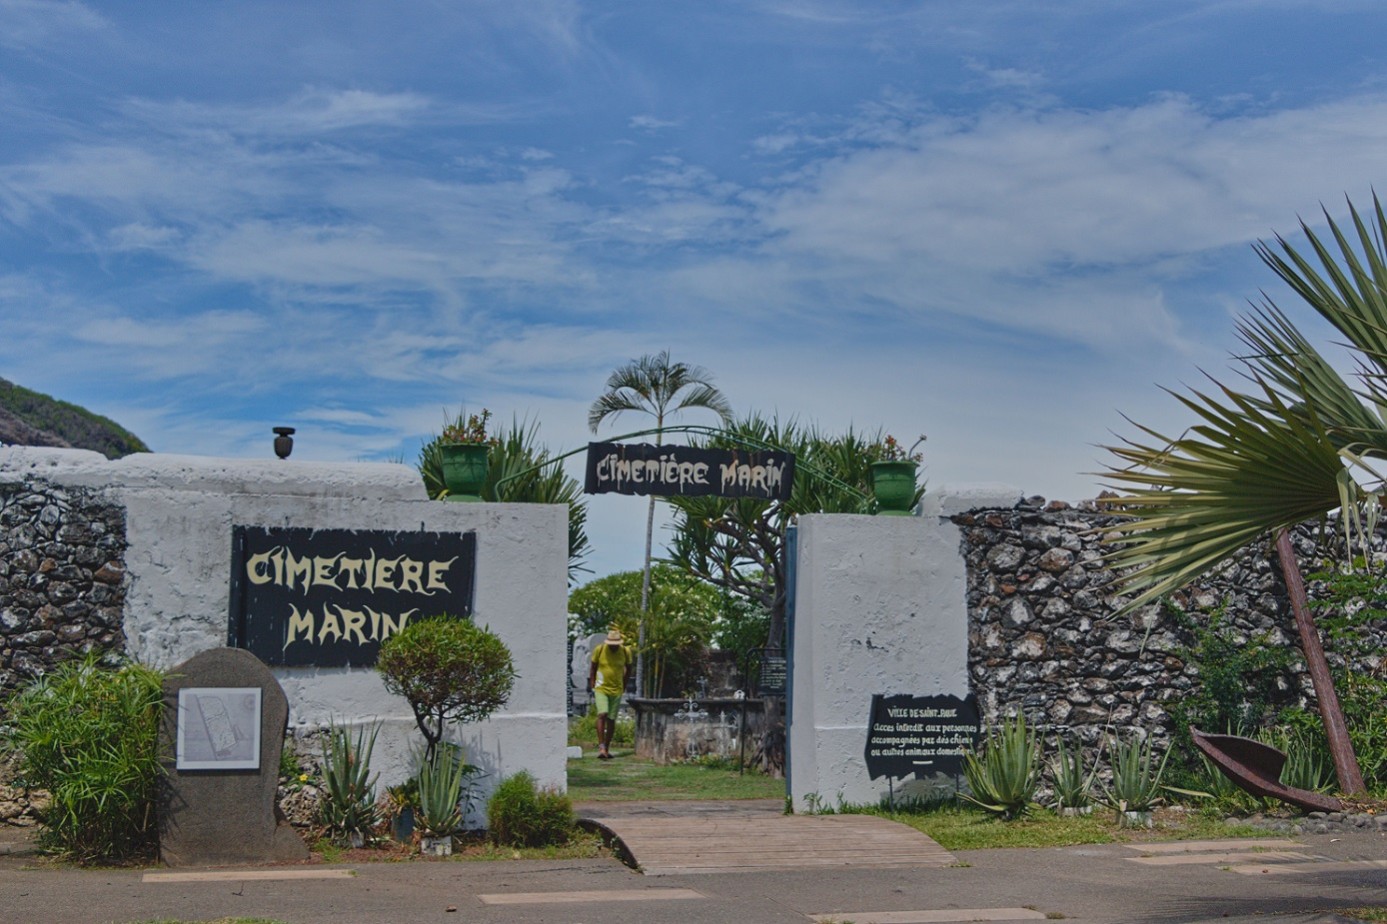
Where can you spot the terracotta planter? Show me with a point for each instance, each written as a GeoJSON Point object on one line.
{"type": "Point", "coordinates": [893, 486]}
{"type": "Point", "coordinates": [464, 470]}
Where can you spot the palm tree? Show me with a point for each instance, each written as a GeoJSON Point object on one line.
{"type": "Point", "coordinates": [653, 385]}
{"type": "Point", "coordinates": [1298, 443]}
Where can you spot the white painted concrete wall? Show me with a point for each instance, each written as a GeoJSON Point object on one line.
{"type": "Point", "coordinates": [880, 608]}
{"type": "Point", "coordinates": [179, 515]}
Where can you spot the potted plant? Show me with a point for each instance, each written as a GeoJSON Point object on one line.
{"type": "Point", "coordinates": [464, 447]}
{"type": "Point", "coordinates": [893, 477]}
{"type": "Point", "coordinates": [441, 799]}
{"type": "Point", "coordinates": [399, 805]}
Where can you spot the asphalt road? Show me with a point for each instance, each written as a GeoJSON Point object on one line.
{"type": "Point", "coordinates": [1301, 881]}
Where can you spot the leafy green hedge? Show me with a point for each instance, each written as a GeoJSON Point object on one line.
{"type": "Point", "coordinates": [88, 734]}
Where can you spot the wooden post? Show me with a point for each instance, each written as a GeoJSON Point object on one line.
{"type": "Point", "coordinates": [1340, 745]}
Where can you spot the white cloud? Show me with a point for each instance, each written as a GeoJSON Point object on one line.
{"type": "Point", "coordinates": [311, 111]}
{"type": "Point", "coordinates": [648, 123]}
{"type": "Point", "coordinates": [26, 23]}
{"type": "Point", "coordinates": [140, 236]}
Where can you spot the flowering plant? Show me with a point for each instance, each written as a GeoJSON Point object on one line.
{"type": "Point", "coordinates": [891, 450]}
{"type": "Point", "coordinates": [473, 431]}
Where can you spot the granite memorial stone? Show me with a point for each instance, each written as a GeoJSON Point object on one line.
{"type": "Point", "coordinates": [220, 741]}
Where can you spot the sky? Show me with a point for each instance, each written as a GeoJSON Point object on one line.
{"type": "Point", "coordinates": [1005, 224]}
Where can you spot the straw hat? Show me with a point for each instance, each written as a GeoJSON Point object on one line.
{"type": "Point", "coordinates": [614, 637]}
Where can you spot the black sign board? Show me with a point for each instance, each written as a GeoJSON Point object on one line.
{"type": "Point", "coordinates": [688, 471]}
{"type": "Point", "coordinates": [329, 597]}
{"type": "Point", "coordinates": [920, 734]}
{"type": "Point", "coordinates": [774, 674]}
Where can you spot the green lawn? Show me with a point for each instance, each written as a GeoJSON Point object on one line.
{"type": "Point", "coordinates": [627, 778]}
{"type": "Point", "coordinates": [958, 827]}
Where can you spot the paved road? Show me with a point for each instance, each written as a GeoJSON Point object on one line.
{"type": "Point", "coordinates": [1298, 881]}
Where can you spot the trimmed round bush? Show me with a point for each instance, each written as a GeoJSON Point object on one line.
{"type": "Point", "coordinates": [450, 669]}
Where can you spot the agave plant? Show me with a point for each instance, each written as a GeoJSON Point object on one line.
{"type": "Point", "coordinates": [1305, 767]}
{"type": "Point", "coordinates": [1072, 783]}
{"type": "Point", "coordinates": [1136, 776]}
{"type": "Point", "coordinates": [349, 800]}
{"type": "Point", "coordinates": [443, 801]}
{"type": "Point", "coordinates": [1298, 443]}
{"type": "Point", "coordinates": [1005, 777]}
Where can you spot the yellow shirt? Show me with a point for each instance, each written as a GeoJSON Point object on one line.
{"type": "Point", "coordinates": [611, 661]}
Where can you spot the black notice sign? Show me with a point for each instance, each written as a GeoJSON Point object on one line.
{"type": "Point", "coordinates": [920, 734]}
{"type": "Point", "coordinates": [774, 674]}
{"type": "Point", "coordinates": [688, 471]}
{"type": "Point", "coordinates": [329, 597]}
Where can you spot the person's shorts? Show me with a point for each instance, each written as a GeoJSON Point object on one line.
{"type": "Point", "coordinates": [607, 703]}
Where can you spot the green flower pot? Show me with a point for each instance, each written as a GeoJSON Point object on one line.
{"type": "Point", "coordinates": [893, 485]}
{"type": "Point", "coordinates": [464, 470]}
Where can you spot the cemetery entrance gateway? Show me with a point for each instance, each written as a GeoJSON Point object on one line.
{"type": "Point", "coordinates": [749, 469]}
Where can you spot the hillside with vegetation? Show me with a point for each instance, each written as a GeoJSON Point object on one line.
{"type": "Point", "coordinates": [28, 418]}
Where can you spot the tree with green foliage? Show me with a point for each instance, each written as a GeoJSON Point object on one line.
{"type": "Point", "coordinates": [449, 669]}
{"type": "Point", "coordinates": [660, 388]}
{"type": "Point", "coordinates": [517, 473]}
{"type": "Point", "coordinates": [1296, 442]}
{"type": "Point", "coordinates": [682, 617]}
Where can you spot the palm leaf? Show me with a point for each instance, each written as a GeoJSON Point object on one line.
{"type": "Point", "coordinates": [1286, 450]}
{"type": "Point", "coordinates": [1255, 464]}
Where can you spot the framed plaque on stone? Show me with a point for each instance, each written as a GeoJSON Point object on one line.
{"type": "Point", "coordinates": [218, 728]}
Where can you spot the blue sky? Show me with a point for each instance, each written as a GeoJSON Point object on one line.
{"type": "Point", "coordinates": [1002, 224]}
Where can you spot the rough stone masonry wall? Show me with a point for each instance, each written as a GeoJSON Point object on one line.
{"type": "Point", "coordinates": [1045, 635]}
{"type": "Point", "coordinates": [62, 574]}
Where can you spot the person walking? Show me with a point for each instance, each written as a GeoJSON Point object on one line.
{"type": "Point", "coordinates": [607, 675]}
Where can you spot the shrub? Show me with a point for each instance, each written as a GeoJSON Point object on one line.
{"type": "Point", "coordinates": [349, 801]}
{"type": "Point", "coordinates": [89, 734]}
{"type": "Point", "coordinates": [1352, 616]}
{"type": "Point", "coordinates": [520, 814]}
{"type": "Point", "coordinates": [1004, 779]}
{"type": "Point", "coordinates": [449, 669]}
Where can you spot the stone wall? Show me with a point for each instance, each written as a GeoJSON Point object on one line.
{"type": "Point", "coordinates": [132, 555]}
{"type": "Point", "coordinates": [159, 587]}
{"type": "Point", "coordinates": [1045, 635]}
{"type": "Point", "coordinates": [62, 570]}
